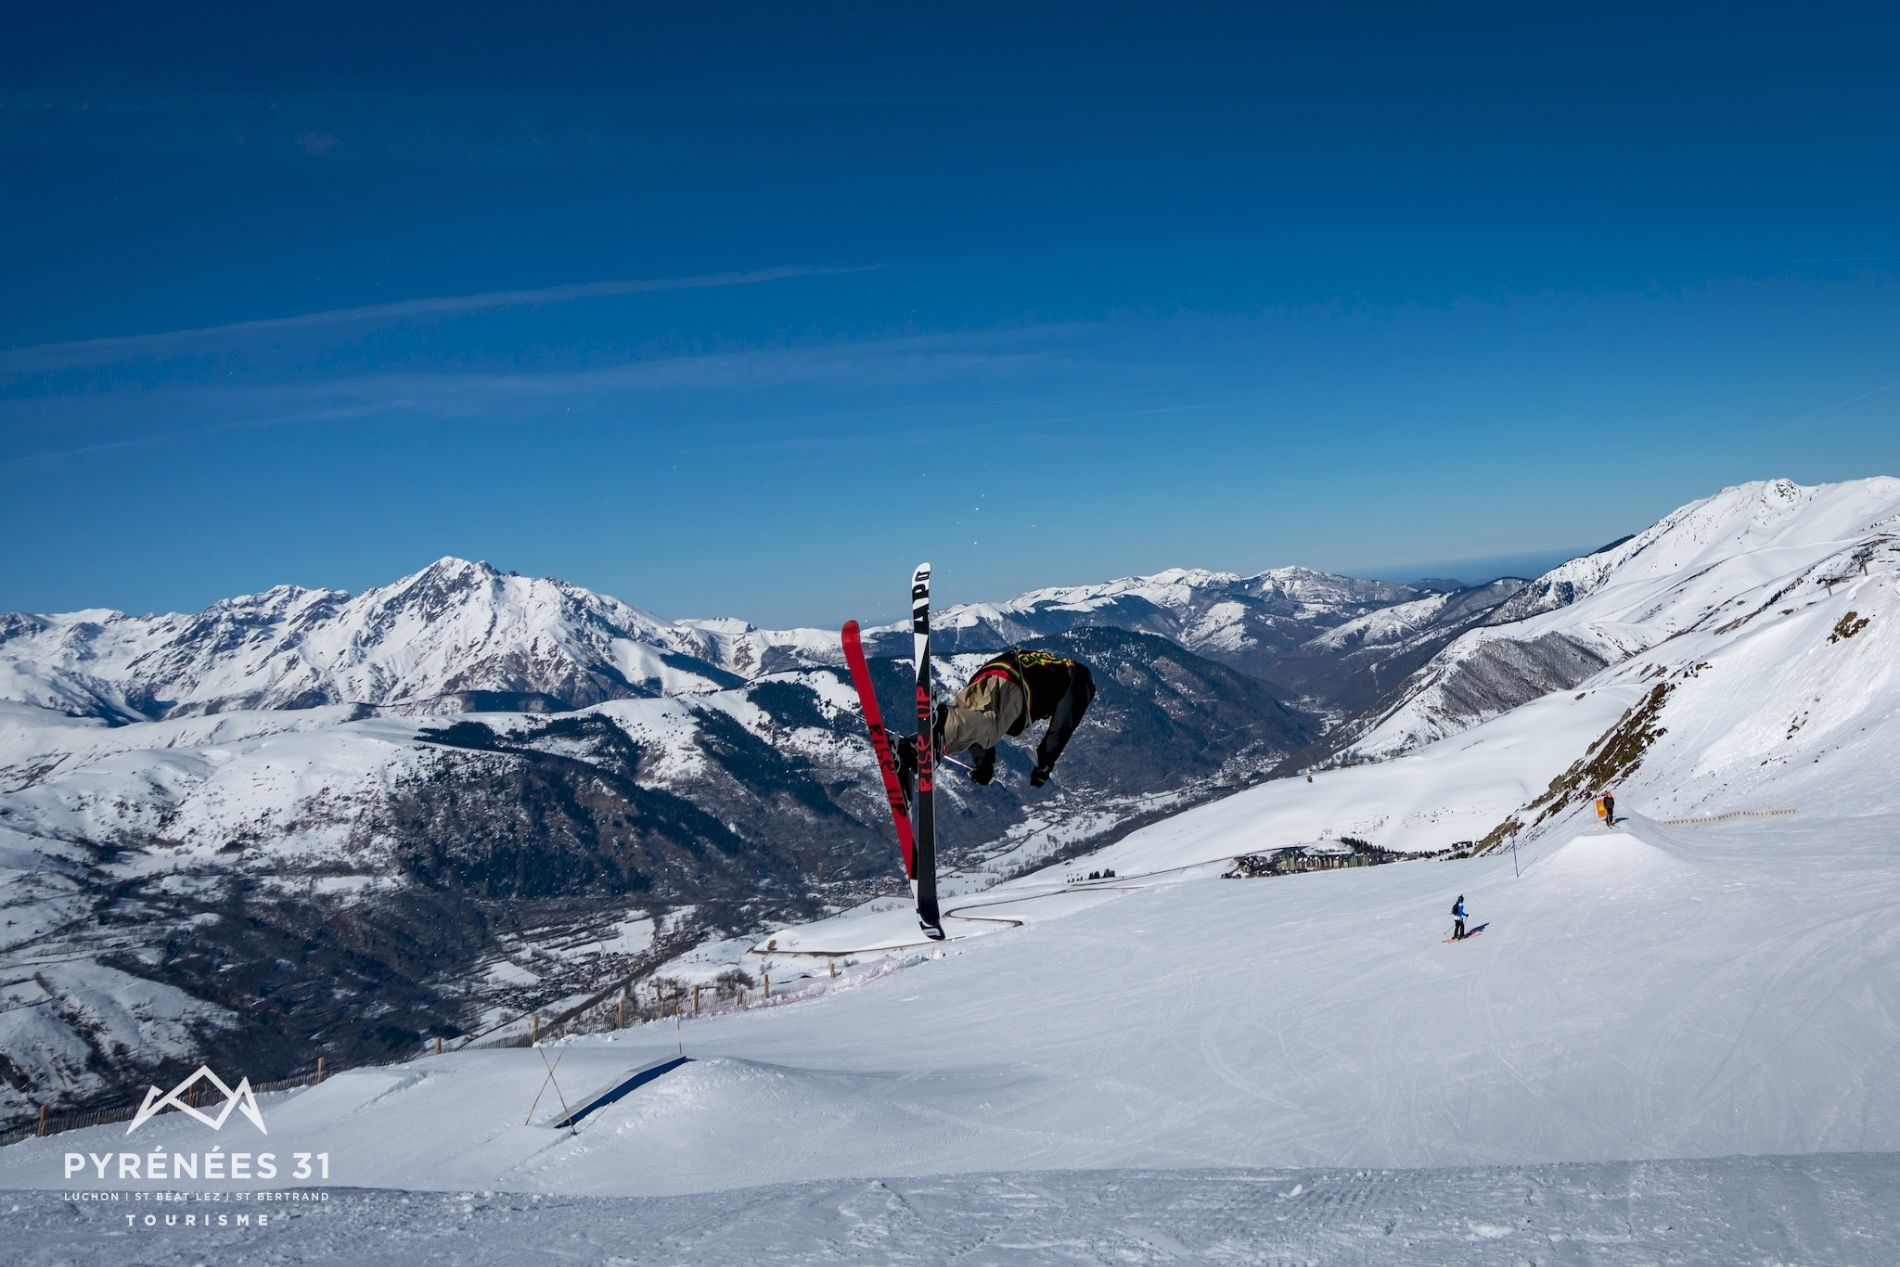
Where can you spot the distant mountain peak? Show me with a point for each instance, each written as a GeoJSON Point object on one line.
{"type": "Point", "coordinates": [452, 565]}
{"type": "Point", "coordinates": [1189, 576]}
{"type": "Point", "coordinates": [455, 635]}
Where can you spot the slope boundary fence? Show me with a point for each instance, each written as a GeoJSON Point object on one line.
{"type": "Point", "coordinates": [1732, 814]}
{"type": "Point", "coordinates": [53, 1123]}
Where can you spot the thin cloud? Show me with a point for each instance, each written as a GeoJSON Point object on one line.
{"type": "Point", "coordinates": [1885, 389]}
{"type": "Point", "coordinates": [43, 357]}
{"type": "Point", "coordinates": [1882, 392]}
{"type": "Point", "coordinates": [903, 361]}
{"type": "Point", "coordinates": [898, 361]}
{"type": "Point", "coordinates": [28, 460]}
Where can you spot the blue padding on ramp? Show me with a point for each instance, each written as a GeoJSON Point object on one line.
{"type": "Point", "coordinates": [633, 1083]}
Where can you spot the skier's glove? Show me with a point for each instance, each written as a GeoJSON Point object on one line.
{"type": "Point", "coordinates": [1039, 776]}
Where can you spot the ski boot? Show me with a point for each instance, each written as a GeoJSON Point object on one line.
{"type": "Point", "coordinates": [907, 766]}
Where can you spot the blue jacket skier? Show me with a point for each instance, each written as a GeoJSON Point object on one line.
{"type": "Point", "coordinates": [1458, 914]}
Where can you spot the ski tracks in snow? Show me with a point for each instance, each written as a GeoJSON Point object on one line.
{"type": "Point", "coordinates": [1837, 1209]}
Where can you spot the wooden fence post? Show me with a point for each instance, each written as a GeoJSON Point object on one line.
{"type": "Point", "coordinates": [696, 990]}
{"type": "Point", "coordinates": [42, 1121]}
{"type": "Point", "coordinates": [534, 1031]}
{"type": "Point", "coordinates": [833, 965]}
{"type": "Point", "coordinates": [620, 1011]}
{"type": "Point", "coordinates": [438, 1044]}
{"type": "Point", "coordinates": [765, 979]}
{"type": "Point", "coordinates": [319, 1069]}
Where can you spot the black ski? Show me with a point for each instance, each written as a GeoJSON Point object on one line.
{"type": "Point", "coordinates": [924, 879]}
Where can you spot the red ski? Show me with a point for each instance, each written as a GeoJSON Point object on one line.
{"type": "Point", "coordinates": [881, 741]}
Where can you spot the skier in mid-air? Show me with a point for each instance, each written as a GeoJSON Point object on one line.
{"type": "Point", "coordinates": [1458, 914]}
{"type": "Point", "coordinates": [1002, 698]}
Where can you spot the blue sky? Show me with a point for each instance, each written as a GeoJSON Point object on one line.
{"type": "Point", "coordinates": [746, 311]}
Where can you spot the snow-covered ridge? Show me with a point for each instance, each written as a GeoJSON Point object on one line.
{"type": "Point", "coordinates": [427, 642]}
{"type": "Point", "coordinates": [1741, 520]}
{"type": "Point", "coordinates": [1400, 622]}
{"type": "Point", "coordinates": [1225, 615]}
{"type": "Point", "coordinates": [1179, 588]}
{"type": "Point", "coordinates": [1714, 561]}
{"type": "Point", "coordinates": [1241, 620]}
{"type": "Point", "coordinates": [1384, 625]}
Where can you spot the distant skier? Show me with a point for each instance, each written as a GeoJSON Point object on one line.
{"type": "Point", "coordinates": [1609, 808]}
{"type": "Point", "coordinates": [1002, 698]}
{"type": "Point", "coordinates": [1458, 915]}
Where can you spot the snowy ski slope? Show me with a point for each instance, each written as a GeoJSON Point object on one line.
{"type": "Point", "coordinates": [1649, 992]}
{"type": "Point", "coordinates": [1727, 992]}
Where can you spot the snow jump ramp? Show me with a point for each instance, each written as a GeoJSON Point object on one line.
{"type": "Point", "coordinates": [625, 1087]}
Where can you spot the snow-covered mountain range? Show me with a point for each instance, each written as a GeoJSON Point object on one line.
{"type": "Point", "coordinates": [430, 806]}
{"type": "Point", "coordinates": [1699, 1001]}
{"type": "Point", "coordinates": [1241, 621]}
{"type": "Point", "coordinates": [460, 636]}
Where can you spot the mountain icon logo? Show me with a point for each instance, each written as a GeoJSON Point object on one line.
{"type": "Point", "coordinates": [239, 1097]}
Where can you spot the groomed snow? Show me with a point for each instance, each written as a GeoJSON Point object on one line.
{"type": "Point", "coordinates": [1834, 1210]}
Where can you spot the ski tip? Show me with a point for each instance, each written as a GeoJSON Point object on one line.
{"type": "Point", "coordinates": [850, 628]}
